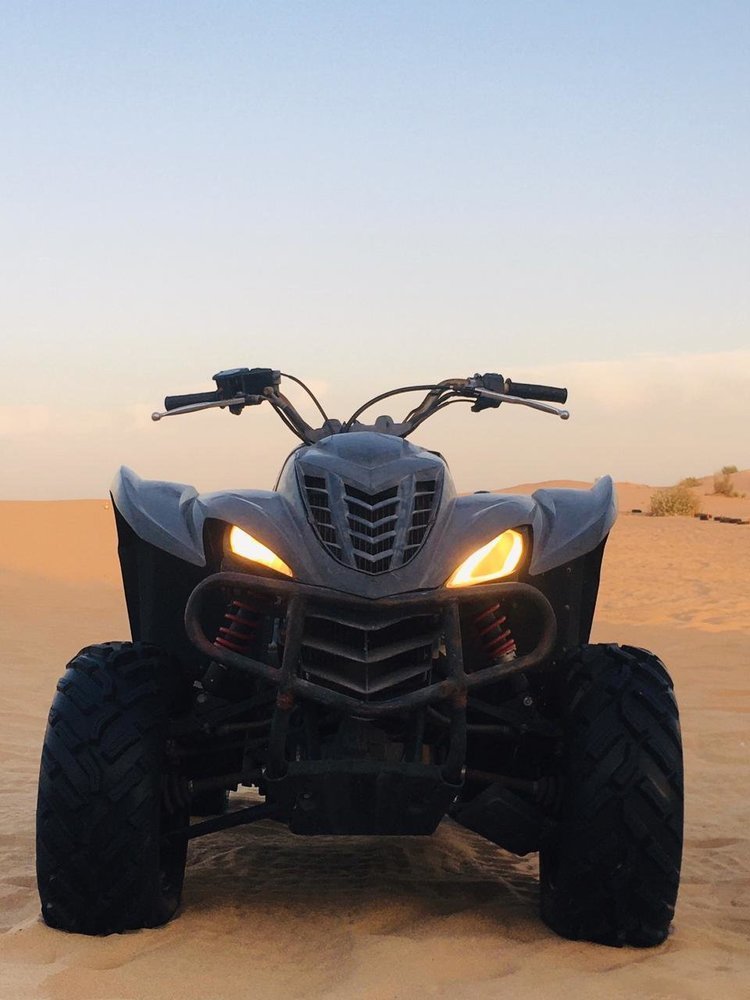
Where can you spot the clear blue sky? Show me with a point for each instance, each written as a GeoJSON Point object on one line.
{"type": "Point", "coordinates": [365, 194]}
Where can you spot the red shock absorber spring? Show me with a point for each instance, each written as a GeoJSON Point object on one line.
{"type": "Point", "coordinates": [494, 634]}
{"type": "Point", "coordinates": [242, 622]}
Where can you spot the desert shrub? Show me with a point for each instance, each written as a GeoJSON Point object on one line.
{"type": "Point", "coordinates": [728, 470]}
{"type": "Point", "coordinates": [723, 484]}
{"type": "Point", "coordinates": [674, 501]}
{"type": "Point", "coordinates": [690, 481]}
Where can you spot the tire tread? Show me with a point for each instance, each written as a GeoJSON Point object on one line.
{"type": "Point", "coordinates": [99, 802]}
{"type": "Point", "coordinates": [610, 868]}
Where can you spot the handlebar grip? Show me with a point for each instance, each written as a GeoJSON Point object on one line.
{"type": "Point", "coordinates": [175, 402]}
{"type": "Point", "coordinates": [544, 393]}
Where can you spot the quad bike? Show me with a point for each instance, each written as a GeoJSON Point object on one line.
{"type": "Point", "coordinates": [373, 652]}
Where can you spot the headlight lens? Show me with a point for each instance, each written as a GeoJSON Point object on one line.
{"type": "Point", "coordinates": [496, 559]}
{"type": "Point", "coordinates": [244, 545]}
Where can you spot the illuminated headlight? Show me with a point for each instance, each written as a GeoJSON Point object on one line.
{"type": "Point", "coordinates": [493, 561]}
{"type": "Point", "coordinates": [244, 545]}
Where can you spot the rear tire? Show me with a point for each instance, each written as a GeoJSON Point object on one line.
{"type": "Point", "coordinates": [102, 865]}
{"type": "Point", "coordinates": [609, 870]}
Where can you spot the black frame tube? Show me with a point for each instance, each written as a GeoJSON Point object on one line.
{"type": "Point", "coordinates": [240, 817]}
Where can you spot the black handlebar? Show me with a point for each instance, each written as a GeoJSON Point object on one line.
{"type": "Point", "coordinates": [544, 393]}
{"type": "Point", "coordinates": [237, 388]}
{"type": "Point", "coordinates": [175, 402]}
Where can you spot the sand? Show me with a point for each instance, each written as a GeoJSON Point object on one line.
{"type": "Point", "coordinates": [267, 914]}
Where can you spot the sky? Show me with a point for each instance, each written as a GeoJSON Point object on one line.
{"type": "Point", "coordinates": [368, 195]}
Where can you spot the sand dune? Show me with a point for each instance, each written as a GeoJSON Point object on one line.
{"type": "Point", "coordinates": [638, 495]}
{"type": "Point", "coordinates": [267, 914]}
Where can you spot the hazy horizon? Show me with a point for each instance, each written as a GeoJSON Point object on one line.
{"type": "Point", "coordinates": [367, 196]}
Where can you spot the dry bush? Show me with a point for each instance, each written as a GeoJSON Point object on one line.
{"type": "Point", "coordinates": [729, 470]}
{"type": "Point", "coordinates": [723, 484]}
{"type": "Point", "coordinates": [674, 501]}
{"type": "Point", "coordinates": [690, 481]}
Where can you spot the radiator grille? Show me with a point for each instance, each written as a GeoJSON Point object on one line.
{"type": "Point", "coordinates": [373, 532]}
{"type": "Point", "coordinates": [358, 654]}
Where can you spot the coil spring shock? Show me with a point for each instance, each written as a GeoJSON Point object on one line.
{"type": "Point", "coordinates": [242, 622]}
{"type": "Point", "coordinates": [495, 636]}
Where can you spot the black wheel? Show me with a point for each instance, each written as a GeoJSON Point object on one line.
{"type": "Point", "coordinates": [610, 869]}
{"type": "Point", "coordinates": [103, 864]}
{"type": "Point", "coordinates": [212, 803]}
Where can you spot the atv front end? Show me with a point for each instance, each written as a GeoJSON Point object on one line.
{"type": "Point", "coordinates": [368, 726]}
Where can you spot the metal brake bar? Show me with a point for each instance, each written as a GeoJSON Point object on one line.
{"type": "Point", "coordinates": [533, 403]}
{"type": "Point", "coordinates": [194, 407]}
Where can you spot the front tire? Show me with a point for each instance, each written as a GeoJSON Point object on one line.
{"type": "Point", "coordinates": [102, 863]}
{"type": "Point", "coordinates": [609, 870]}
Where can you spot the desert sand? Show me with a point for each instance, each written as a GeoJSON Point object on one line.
{"type": "Point", "coordinates": [267, 914]}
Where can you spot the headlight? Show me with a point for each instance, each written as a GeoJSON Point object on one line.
{"type": "Point", "coordinates": [496, 559]}
{"type": "Point", "coordinates": [243, 544]}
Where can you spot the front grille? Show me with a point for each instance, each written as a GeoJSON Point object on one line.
{"type": "Point", "coordinates": [373, 532]}
{"type": "Point", "coordinates": [316, 495]}
{"type": "Point", "coordinates": [372, 519]}
{"type": "Point", "coordinates": [368, 654]}
{"type": "Point", "coordinates": [424, 498]}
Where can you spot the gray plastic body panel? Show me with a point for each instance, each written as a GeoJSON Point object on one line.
{"type": "Point", "coordinates": [564, 523]}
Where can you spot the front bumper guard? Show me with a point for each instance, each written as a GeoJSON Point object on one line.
{"type": "Point", "coordinates": [299, 598]}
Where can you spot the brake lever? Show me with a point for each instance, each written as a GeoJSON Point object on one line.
{"type": "Point", "coordinates": [501, 397]}
{"type": "Point", "coordinates": [239, 401]}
